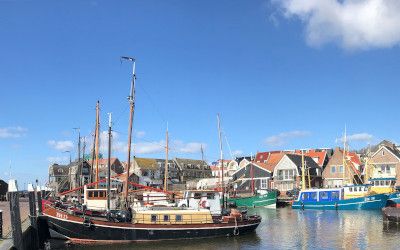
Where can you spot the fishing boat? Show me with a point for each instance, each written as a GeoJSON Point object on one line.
{"type": "Point", "coordinates": [386, 186]}
{"type": "Point", "coordinates": [333, 199]}
{"type": "Point", "coordinates": [264, 199]}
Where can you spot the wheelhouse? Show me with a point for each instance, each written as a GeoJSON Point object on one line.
{"type": "Point", "coordinates": [355, 191]}
{"type": "Point", "coordinates": [382, 185]}
{"type": "Point", "coordinates": [318, 195]}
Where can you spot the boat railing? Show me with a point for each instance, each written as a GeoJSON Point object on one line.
{"type": "Point", "coordinates": [171, 219]}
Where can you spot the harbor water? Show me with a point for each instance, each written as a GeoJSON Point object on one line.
{"type": "Point", "coordinates": [284, 228]}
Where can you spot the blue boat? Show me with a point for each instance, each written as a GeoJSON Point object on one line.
{"type": "Point", "coordinates": [333, 199]}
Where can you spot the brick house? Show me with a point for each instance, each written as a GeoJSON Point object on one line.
{"type": "Point", "coordinates": [385, 162]}
{"type": "Point", "coordinates": [336, 174]}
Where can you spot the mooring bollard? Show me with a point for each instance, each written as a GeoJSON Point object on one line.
{"type": "Point", "coordinates": [15, 214]}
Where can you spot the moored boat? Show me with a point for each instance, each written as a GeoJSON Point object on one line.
{"type": "Point", "coordinates": [333, 199]}
{"type": "Point", "coordinates": [391, 214]}
{"type": "Point", "coordinates": [257, 200]}
{"type": "Point", "coordinates": [148, 225]}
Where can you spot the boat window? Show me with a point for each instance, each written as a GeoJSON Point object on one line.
{"type": "Point", "coordinates": [166, 217]}
{"type": "Point", "coordinates": [304, 196]}
{"type": "Point", "coordinates": [365, 188]}
{"type": "Point", "coordinates": [323, 195]}
{"type": "Point", "coordinates": [178, 217]}
{"type": "Point", "coordinates": [387, 183]}
{"type": "Point", "coordinates": [210, 195]}
{"type": "Point", "coordinates": [313, 196]}
{"type": "Point", "coordinates": [360, 189]}
{"type": "Point", "coordinates": [350, 189]}
{"type": "Point", "coordinates": [95, 194]}
{"type": "Point", "coordinates": [153, 218]}
{"type": "Point", "coordinates": [335, 195]}
{"type": "Point", "coordinates": [382, 183]}
{"type": "Point", "coordinates": [197, 195]}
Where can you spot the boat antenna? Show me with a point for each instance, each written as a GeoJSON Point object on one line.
{"type": "Point", "coordinates": [222, 161]}
{"type": "Point", "coordinates": [344, 153]}
{"type": "Point", "coordinates": [109, 162]}
{"type": "Point", "coordinates": [166, 161]}
{"type": "Point", "coordinates": [131, 100]}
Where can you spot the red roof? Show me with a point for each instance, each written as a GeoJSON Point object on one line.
{"type": "Point", "coordinates": [354, 157]}
{"type": "Point", "coordinates": [262, 156]}
{"type": "Point", "coordinates": [319, 155]}
{"type": "Point", "coordinates": [273, 160]}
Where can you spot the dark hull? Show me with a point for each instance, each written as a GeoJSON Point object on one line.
{"type": "Point", "coordinates": [391, 214]}
{"type": "Point", "coordinates": [102, 233]}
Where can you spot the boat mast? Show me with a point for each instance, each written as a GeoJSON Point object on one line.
{"type": "Point", "coordinates": [344, 156]}
{"type": "Point", "coordinates": [131, 99]}
{"type": "Point", "coordinates": [303, 177]}
{"type": "Point", "coordinates": [109, 163]}
{"type": "Point", "coordinates": [97, 142]}
{"type": "Point", "coordinates": [166, 162]}
{"type": "Point", "coordinates": [252, 178]}
{"type": "Point", "coordinates": [222, 161]}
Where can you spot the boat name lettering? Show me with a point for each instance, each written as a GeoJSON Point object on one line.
{"type": "Point", "coordinates": [61, 216]}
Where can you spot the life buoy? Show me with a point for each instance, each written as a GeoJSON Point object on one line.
{"type": "Point", "coordinates": [203, 204]}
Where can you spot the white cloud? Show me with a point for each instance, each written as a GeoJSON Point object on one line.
{"type": "Point", "coordinates": [187, 148]}
{"type": "Point", "coordinates": [140, 134]}
{"type": "Point", "coordinates": [237, 153]}
{"type": "Point", "coordinates": [61, 145]}
{"type": "Point", "coordinates": [12, 132]}
{"type": "Point", "coordinates": [282, 138]}
{"type": "Point", "coordinates": [57, 159]}
{"type": "Point", "coordinates": [360, 137]}
{"type": "Point", "coordinates": [352, 24]}
{"type": "Point", "coordinates": [149, 147]}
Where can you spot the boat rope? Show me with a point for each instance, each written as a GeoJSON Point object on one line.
{"type": "Point", "coordinates": [236, 229]}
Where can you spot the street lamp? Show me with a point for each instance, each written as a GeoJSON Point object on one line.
{"type": "Point", "coordinates": [67, 151]}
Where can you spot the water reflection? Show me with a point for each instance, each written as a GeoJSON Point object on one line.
{"type": "Point", "coordinates": [285, 228]}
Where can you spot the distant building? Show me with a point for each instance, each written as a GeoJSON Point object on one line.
{"type": "Point", "coordinates": [287, 173]}
{"type": "Point", "coordinates": [385, 162]}
{"type": "Point", "coordinates": [251, 174]}
{"type": "Point", "coordinates": [190, 169]}
{"type": "Point", "coordinates": [66, 177]}
{"type": "Point", "coordinates": [336, 174]}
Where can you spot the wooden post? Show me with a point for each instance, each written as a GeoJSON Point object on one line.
{"type": "Point", "coordinates": [15, 214]}
{"type": "Point", "coordinates": [33, 215]}
{"type": "Point", "coordinates": [1, 224]}
{"type": "Point", "coordinates": [32, 204]}
{"type": "Point", "coordinates": [39, 200]}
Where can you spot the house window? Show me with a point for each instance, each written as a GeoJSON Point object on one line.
{"type": "Point", "coordinates": [264, 184]}
{"type": "Point", "coordinates": [153, 218]}
{"type": "Point", "coordinates": [340, 169]}
{"type": "Point", "coordinates": [333, 169]}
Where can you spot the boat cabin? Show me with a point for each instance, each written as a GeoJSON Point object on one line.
{"type": "Point", "coordinates": [96, 199]}
{"type": "Point", "coordinates": [172, 216]}
{"type": "Point", "coordinates": [382, 185]}
{"type": "Point", "coordinates": [355, 191]}
{"type": "Point", "coordinates": [198, 199]}
{"type": "Point", "coordinates": [321, 195]}
{"type": "Point", "coordinates": [151, 198]}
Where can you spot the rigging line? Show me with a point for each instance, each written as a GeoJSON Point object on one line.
{"type": "Point", "coordinates": [153, 103]}
{"type": "Point", "coordinates": [229, 146]}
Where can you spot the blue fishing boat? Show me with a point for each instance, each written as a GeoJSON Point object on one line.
{"type": "Point", "coordinates": [333, 199]}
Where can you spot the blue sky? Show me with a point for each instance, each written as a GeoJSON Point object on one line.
{"type": "Point", "coordinates": [283, 75]}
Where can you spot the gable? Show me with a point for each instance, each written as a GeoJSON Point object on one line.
{"type": "Point", "coordinates": [285, 163]}
{"type": "Point", "coordinates": [384, 155]}
{"type": "Point", "coordinates": [245, 172]}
